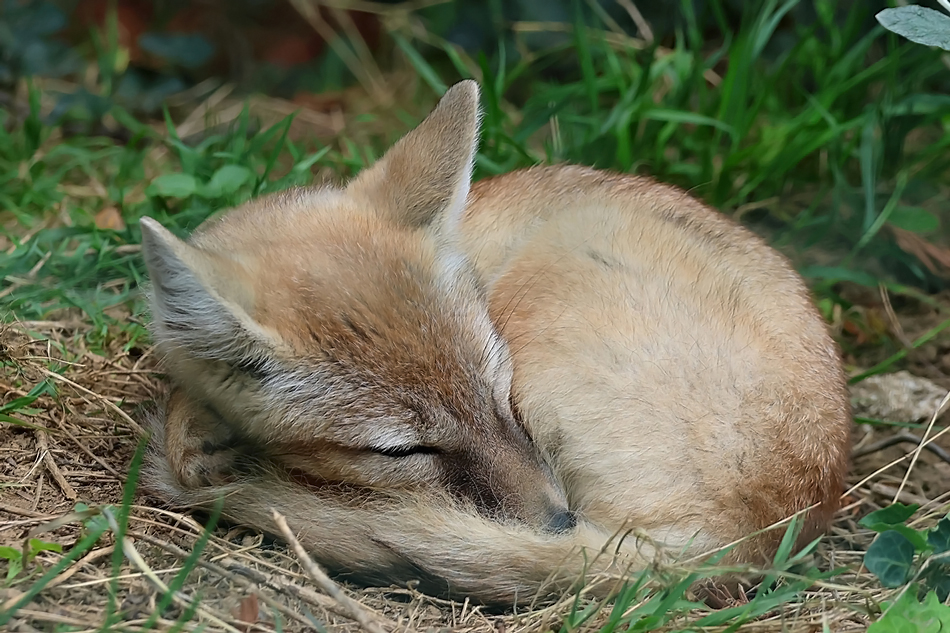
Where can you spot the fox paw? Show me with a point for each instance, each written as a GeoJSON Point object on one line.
{"type": "Point", "coordinates": [211, 464]}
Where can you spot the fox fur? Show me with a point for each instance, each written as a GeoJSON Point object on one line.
{"type": "Point", "coordinates": [477, 387]}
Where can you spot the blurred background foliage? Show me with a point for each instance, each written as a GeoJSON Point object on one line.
{"type": "Point", "coordinates": [803, 118]}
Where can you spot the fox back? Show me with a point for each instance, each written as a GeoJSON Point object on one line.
{"type": "Point", "coordinates": [524, 369]}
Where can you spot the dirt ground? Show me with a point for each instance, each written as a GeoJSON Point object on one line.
{"type": "Point", "coordinates": [82, 440]}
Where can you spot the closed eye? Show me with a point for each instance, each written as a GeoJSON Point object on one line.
{"type": "Point", "coordinates": [405, 451]}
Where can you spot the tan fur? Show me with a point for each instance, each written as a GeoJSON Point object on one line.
{"type": "Point", "coordinates": [668, 367]}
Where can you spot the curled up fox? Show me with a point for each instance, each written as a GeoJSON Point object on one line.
{"type": "Point", "coordinates": [478, 387]}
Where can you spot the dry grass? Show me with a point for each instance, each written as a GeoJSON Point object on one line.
{"type": "Point", "coordinates": [82, 440]}
{"type": "Point", "coordinates": [83, 434]}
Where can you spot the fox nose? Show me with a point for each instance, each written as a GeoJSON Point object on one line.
{"type": "Point", "coordinates": [562, 521]}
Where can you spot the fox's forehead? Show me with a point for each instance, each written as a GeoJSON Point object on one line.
{"type": "Point", "coordinates": [379, 301]}
{"type": "Point", "coordinates": [342, 286]}
{"type": "Point", "coordinates": [291, 214]}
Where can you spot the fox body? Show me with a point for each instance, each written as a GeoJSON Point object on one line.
{"type": "Point", "coordinates": [478, 387]}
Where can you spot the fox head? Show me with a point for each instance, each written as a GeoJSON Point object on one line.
{"type": "Point", "coordinates": [344, 332]}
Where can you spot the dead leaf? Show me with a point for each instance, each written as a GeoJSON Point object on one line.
{"type": "Point", "coordinates": [930, 255]}
{"type": "Point", "coordinates": [248, 611]}
{"type": "Point", "coordinates": [110, 219]}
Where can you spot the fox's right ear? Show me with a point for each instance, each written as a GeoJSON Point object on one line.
{"type": "Point", "coordinates": [199, 301]}
{"type": "Point", "coordinates": [427, 173]}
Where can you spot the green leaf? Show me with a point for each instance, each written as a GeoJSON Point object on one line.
{"type": "Point", "coordinates": [308, 162]}
{"type": "Point", "coordinates": [15, 558]}
{"type": "Point", "coordinates": [9, 419]}
{"type": "Point", "coordinates": [37, 546]}
{"type": "Point", "coordinates": [172, 186]}
{"type": "Point", "coordinates": [918, 24]}
{"type": "Point", "coordinates": [78, 550]}
{"type": "Point", "coordinates": [677, 116]}
{"type": "Point", "coordinates": [890, 558]}
{"type": "Point", "coordinates": [839, 273]}
{"type": "Point", "coordinates": [226, 181]}
{"type": "Point", "coordinates": [939, 537]}
{"type": "Point", "coordinates": [428, 74]}
{"type": "Point", "coordinates": [10, 553]}
{"type": "Point", "coordinates": [914, 219]}
{"type": "Point", "coordinates": [17, 403]}
{"type": "Point", "coordinates": [917, 538]}
{"type": "Point", "coordinates": [937, 578]}
{"type": "Point", "coordinates": [919, 103]}
{"type": "Point", "coordinates": [891, 515]}
{"type": "Point", "coordinates": [788, 542]}
{"type": "Point", "coordinates": [907, 615]}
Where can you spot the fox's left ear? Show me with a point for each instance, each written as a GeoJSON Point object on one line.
{"type": "Point", "coordinates": [427, 173]}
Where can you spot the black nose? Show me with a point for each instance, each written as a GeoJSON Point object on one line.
{"type": "Point", "coordinates": [562, 521]}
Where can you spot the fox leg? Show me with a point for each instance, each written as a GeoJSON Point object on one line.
{"type": "Point", "coordinates": [198, 447]}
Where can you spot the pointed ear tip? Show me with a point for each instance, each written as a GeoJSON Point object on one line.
{"type": "Point", "coordinates": [149, 225]}
{"type": "Point", "coordinates": [154, 234]}
{"type": "Point", "coordinates": [467, 88]}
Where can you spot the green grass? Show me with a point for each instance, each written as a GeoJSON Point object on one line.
{"type": "Point", "coordinates": [825, 142]}
{"type": "Point", "coordinates": [97, 523]}
{"type": "Point", "coordinates": [853, 123]}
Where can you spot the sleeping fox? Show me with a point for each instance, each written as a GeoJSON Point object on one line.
{"type": "Point", "coordinates": [477, 387]}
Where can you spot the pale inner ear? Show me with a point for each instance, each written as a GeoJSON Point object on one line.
{"type": "Point", "coordinates": [200, 301]}
{"type": "Point", "coordinates": [426, 175]}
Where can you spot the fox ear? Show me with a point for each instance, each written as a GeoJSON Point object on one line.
{"type": "Point", "coordinates": [427, 173]}
{"type": "Point", "coordinates": [199, 301]}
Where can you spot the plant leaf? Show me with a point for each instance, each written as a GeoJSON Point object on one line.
{"type": "Point", "coordinates": [918, 24]}
{"type": "Point", "coordinates": [937, 578]}
{"type": "Point", "coordinates": [37, 546]}
{"type": "Point", "coordinates": [10, 553]}
{"type": "Point", "coordinates": [917, 538]}
{"type": "Point", "coordinates": [939, 537]}
{"type": "Point", "coordinates": [226, 181]}
{"type": "Point", "coordinates": [907, 615]}
{"type": "Point", "coordinates": [890, 558]}
{"type": "Point", "coordinates": [914, 219]}
{"type": "Point", "coordinates": [172, 186]}
{"type": "Point", "coordinates": [895, 514]}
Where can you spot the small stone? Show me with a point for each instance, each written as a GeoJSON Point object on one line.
{"type": "Point", "coordinates": [897, 397]}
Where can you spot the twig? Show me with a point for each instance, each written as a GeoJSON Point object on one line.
{"type": "Point", "coordinates": [370, 76]}
{"type": "Point", "coordinates": [128, 548]}
{"type": "Point", "coordinates": [92, 556]}
{"type": "Point", "coordinates": [896, 326]}
{"type": "Point", "coordinates": [199, 114]}
{"type": "Point", "coordinates": [642, 26]}
{"type": "Point", "coordinates": [125, 416]}
{"type": "Point", "coordinates": [359, 45]}
{"type": "Point", "coordinates": [25, 512]}
{"type": "Point", "coordinates": [904, 497]}
{"type": "Point", "coordinates": [901, 438]}
{"type": "Point", "coordinates": [25, 326]}
{"type": "Point", "coordinates": [774, 526]}
{"type": "Point", "coordinates": [84, 449]}
{"type": "Point", "coordinates": [30, 276]}
{"type": "Point", "coordinates": [43, 445]}
{"type": "Point", "coordinates": [237, 579]}
{"type": "Point", "coordinates": [355, 610]}
{"type": "Point", "coordinates": [920, 447]}
{"type": "Point", "coordinates": [897, 461]}
{"type": "Point", "coordinates": [38, 491]}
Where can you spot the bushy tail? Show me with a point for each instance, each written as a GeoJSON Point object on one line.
{"type": "Point", "coordinates": [376, 540]}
